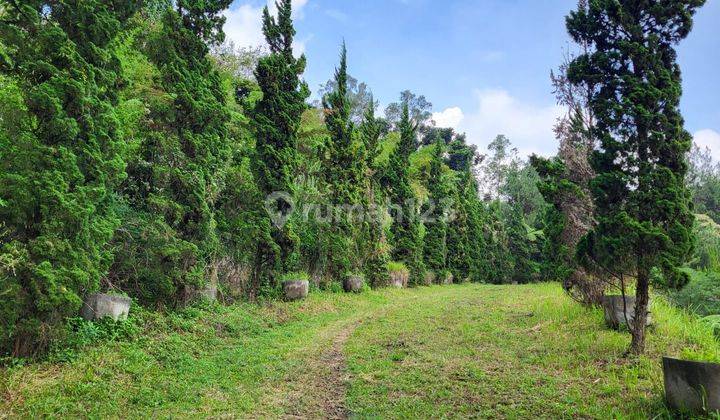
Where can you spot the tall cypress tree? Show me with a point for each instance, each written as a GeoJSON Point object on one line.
{"type": "Point", "coordinates": [468, 256]}
{"type": "Point", "coordinates": [407, 244]}
{"type": "Point", "coordinates": [436, 234]}
{"type": "Point", "coordinates": [277, 118]}
{"type": "Point", "coordinates": [377, 255]}
{"type": "Point", "coordinates": [344, 169]}
{"type": "Point", "coordinates": [643, 207]}
{"type": "Point", "coordinates": [58, 176]}
{"type": "Point", "coordinates": [175, 182]}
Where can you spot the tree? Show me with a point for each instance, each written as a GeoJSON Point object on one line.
{"type": "Point", "coordinates": [172, 244]}
{"type": "Point", "coordinates": [406, 228]}
{"type": "Point", "coordinates": [60, 166]}
{"type": "Point", "coordinates": [467, 237]}
{"type": "Point", "coordinates": [436, 232]}
{"type": "Point", "coordinates": [643, 206]}
{"type": "Point", "coordinates": [566, 186]}
{"type": "Point", "coordinates": [419, 108]}
{"type": "Point", "coordinates": [277, 118]}
{"type": "Point", "coordinates": [345, 171]}
{"type": "Point", "coordinates": [376, 241]}
{"type": "Point", "coordinates": [359, 96]}
{"type": "Point", "coordinates": [704, 182]}
{"type": "Point", "coordinates": [494, 169]}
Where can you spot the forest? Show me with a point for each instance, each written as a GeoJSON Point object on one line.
{"type": "Point", "coordinates": [143, 155]}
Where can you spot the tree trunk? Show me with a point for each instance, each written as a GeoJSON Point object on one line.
{"type": "Point", "coordinates": [642, 297]}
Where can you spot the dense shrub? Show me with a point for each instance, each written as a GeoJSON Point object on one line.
{"type": "Point", "coordinates": [701, 295]}
{"type": "Point", "coordinates": [707, 249]}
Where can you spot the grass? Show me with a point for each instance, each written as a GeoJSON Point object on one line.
{"type": "Point", "coordinates": [456, 351]}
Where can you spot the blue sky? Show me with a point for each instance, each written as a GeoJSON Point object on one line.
{"type": "Point", "coordinates": [484, 64]}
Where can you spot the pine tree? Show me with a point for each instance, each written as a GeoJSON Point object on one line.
{"type": "Point", "coordinates": [436, 233]}
{"type": "Point", "coordinates": [345, 173]}
{"type": "Point", "coordinates": [277, 118]}
{"type": "Point", "coordinates": [377, 255]}
{"type": "Point", "coordinates": [407, 243]}
{"type": "Point", "coordinates": [643, 206]}
{"type": "Point", "coordinates": [58, 176]}
{"type": "Point", "coordinates": [174, 186]}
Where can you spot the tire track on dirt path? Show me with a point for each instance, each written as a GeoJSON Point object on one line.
{"type": "Point", "coordinates": [317, 385]}
{"type": "Point", "coordinates": [320, 389]}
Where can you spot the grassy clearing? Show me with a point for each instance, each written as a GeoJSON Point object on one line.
{"type": "Point", "coordinates": [457, 351]}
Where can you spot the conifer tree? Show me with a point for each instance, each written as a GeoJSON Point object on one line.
{"type": "Point", "coordinates": [58, 176]}
{"type": "Point", "coordinates": [174, 186]}
{"type": "Point", "coordinates": [436, 232]}
{"type": "Point", "coordinates": [407, 244]}
{"type": "Point", "coordinates": [643, 207]}
{"type": "Point", "coordinates": [467, 253]}
{"type": "Point", "coordinates": [345, 175]}
{"type": "Point", "coordinates": [277, 118]}
{"type": "Point", "coordinates": [377, 259]}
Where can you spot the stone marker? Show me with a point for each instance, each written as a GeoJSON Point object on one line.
{"type": "Point", "coordinates": [296, 289]}
{"type": "Point", "coordinates": [399, 279]}
{"type": "Point", "coordinates": [353, 284]}
{"type": "Point", "coordinates": [616, 312]}
{"type": "Point", "coordinates": [449, 278]}
{"type": "Point", "coordinates": [100, 305]}
{"type": "Point", "coordinates": [693, 386]}
{"type": "Point", "coordinates": [430, 278]}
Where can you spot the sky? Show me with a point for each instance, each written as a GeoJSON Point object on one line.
{"type": "Point", "coordinates": [484, 64]}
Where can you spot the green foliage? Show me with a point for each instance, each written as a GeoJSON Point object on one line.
{"type": "Point", "coordinates": [707, 249]}
{"type": "Point", "coordinates": [396, 266]}
{"type": "Point", "coordinates": [345, 174]}
{"type": "Point", "coordinates": [701, 293]}
{"type": "Point", "coordinates": [374, 233]}
{"type": "Point", "coordinates": [277, 118]}
{"type": "Point", "coordinates": [436, 231]}
{"type": "Point", "coordinates": [704, 181]}
{"type": "Point", "coordinates": [79, 334]}
{"type": "Point", "coordinates": [643, 206]}
{"type": "Point", "coordinates": [61, 160]}
{"type": "Point", "coordinates": [296, 275]}
{"type": "Point", "coordinates": [405, 230]}
{"type": "Point", "coordinates": [555, 186]}
{"type": "Point", "coordinates": [171, 240]}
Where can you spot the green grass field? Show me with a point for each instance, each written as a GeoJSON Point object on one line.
{"type": "Point", "coordinates": [456, 351]}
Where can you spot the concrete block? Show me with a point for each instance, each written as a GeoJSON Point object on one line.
{"type": "Point", "coordinates": [693, 386]}
{"type": "Point", "coordinates": [353, 284]}
{"type": "Point", "coordinates": [100, 305]}
{"type": "Point", "coordinates": [399, 279]}
{"type": "Point", "coordinates": [616, 312]}
{"type": "Point", "coordinates": [296, 289]}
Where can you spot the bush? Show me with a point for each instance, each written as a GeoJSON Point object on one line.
{"type": "Point", "coordinates": [297, 275]}
{"type": "Point", "coordinates": [79, 333]}
{"type": "Point", "coordinates": [707, 252]}
{"type": "Point", "coordinates": [394, 266]}
{"type": "Point", "coordinates": [701, 295]}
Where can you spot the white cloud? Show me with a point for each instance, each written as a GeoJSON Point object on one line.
{"type": "Point", "coordinates": [449, 118]}
{"type": "Point", "coordinates": [528, 126]}
{"type": "Point", "coordinates": [244, 25]}
{"type": "Point", "coordinates": [710, 139]}
{"type": "Point", "coordinates": [337, 15]}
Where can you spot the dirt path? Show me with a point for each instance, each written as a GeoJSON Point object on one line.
{"type": "Point", "coordinates": [318, 387]}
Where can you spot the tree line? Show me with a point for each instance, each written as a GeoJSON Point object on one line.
{"type": "Point", "coordinates": [140, 154]}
